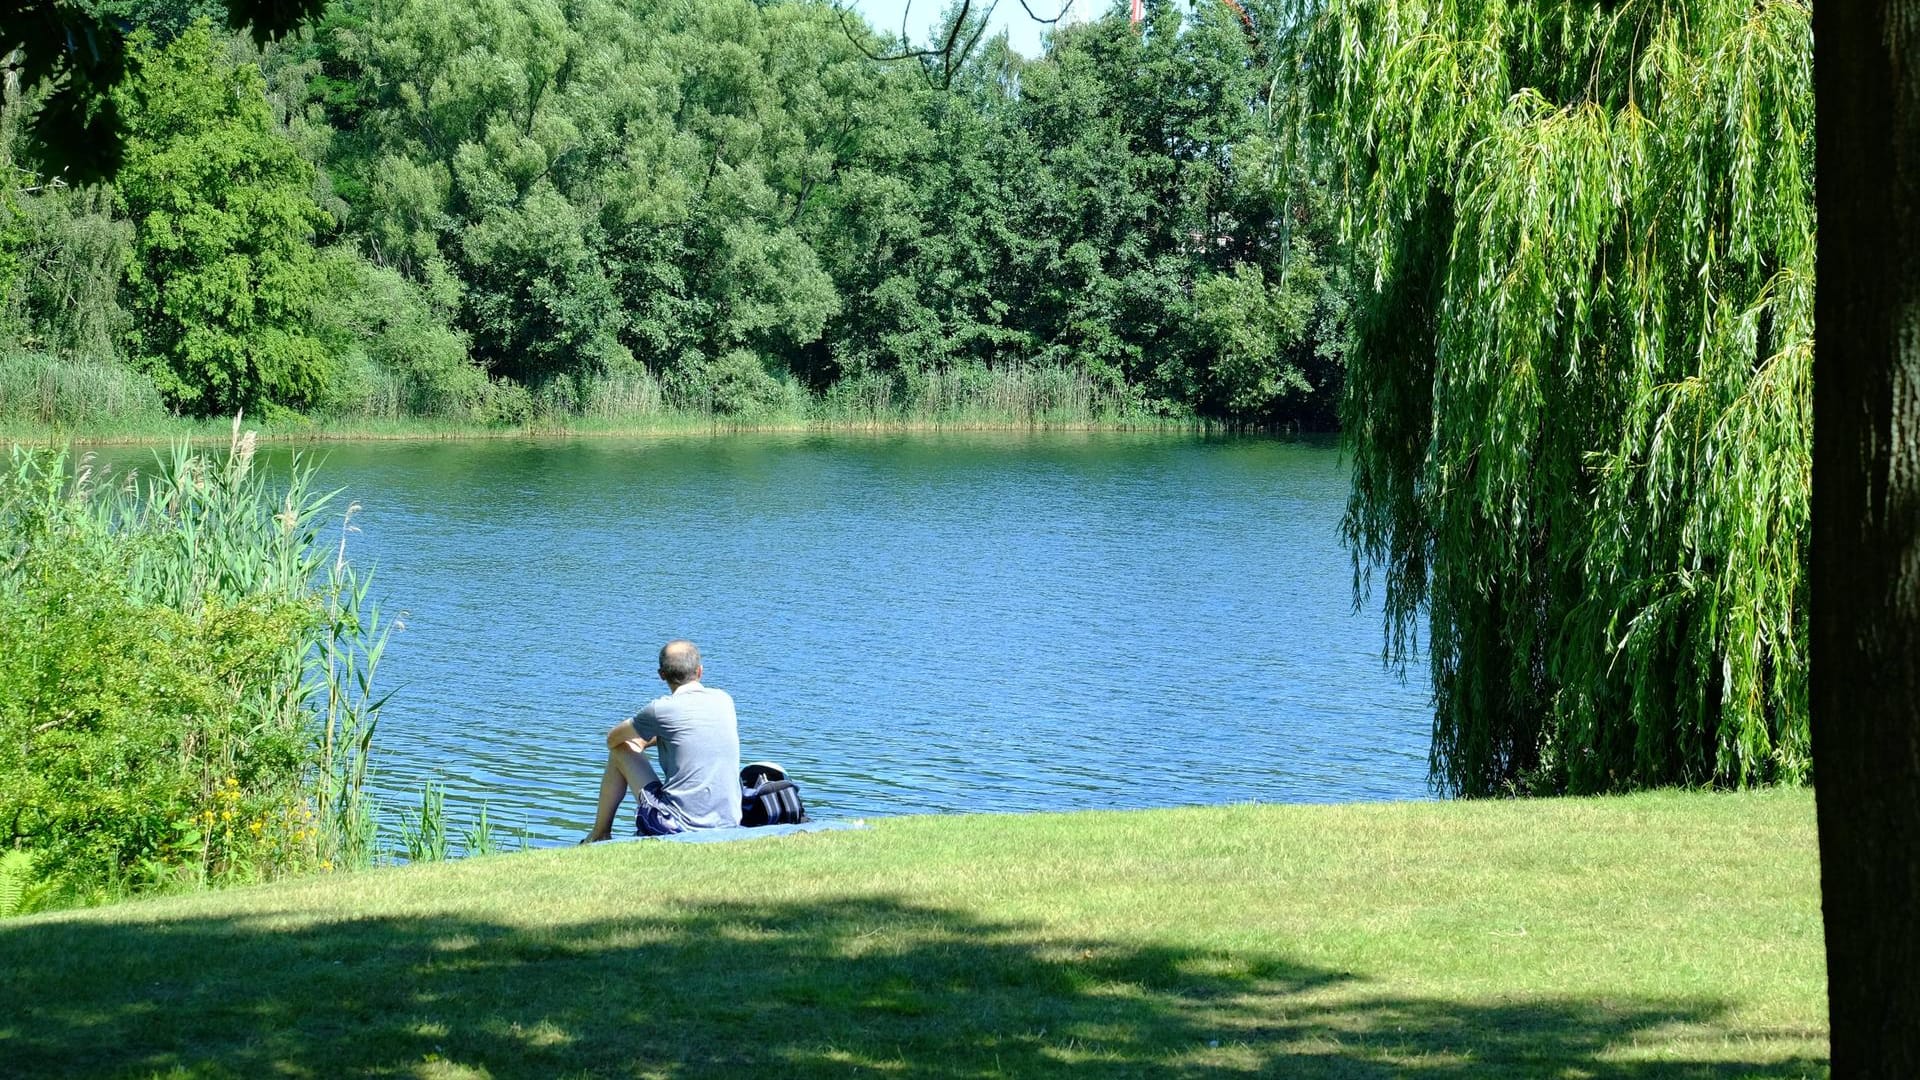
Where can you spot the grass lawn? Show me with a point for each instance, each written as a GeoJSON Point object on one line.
{"type": "Point", "coordinates": [1660, 935]}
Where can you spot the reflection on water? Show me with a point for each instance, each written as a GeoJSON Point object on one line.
{"type": "Point", "coordinates": [909, 624]}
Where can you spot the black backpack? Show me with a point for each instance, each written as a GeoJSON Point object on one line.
{"type": "Point", "coordinates": [767, 797]}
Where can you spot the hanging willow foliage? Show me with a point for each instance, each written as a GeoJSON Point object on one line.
{"type": "Point", "coordinates": [1579, 401]}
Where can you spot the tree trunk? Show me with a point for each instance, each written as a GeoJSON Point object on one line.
{"type": "Point", "coordinates": [1865, 614]}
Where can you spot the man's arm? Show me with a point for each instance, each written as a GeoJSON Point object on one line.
{"type": "Point", "coordinates": [623, 734]}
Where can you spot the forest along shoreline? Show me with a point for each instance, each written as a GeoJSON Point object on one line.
{"type": "Point", "coordinates": [625, 213]}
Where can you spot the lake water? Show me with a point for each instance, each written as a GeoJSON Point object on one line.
{"type": "Point", "coordinates": [909, 624]}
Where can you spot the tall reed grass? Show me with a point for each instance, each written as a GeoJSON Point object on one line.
{"type": "Point", "coordinates": [962, 395]}
{"type": "Point", "coordinates": [1033, 395]}
{"type": "Point", "coordinates": [53, 392]}
{"type": "Point", "coordinates": [50, 400]}
{"type": "Point", "coordinates": [624, 396]}
{"type": "Point", "coordinates": [424, 835]}
{"type": "Point", "coordinates": [974, 394]}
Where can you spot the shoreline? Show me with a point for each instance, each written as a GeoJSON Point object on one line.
{"type": "Point", "coordinates": [431, 431]}
{"type": "Point", "coordinates": [435, 431]}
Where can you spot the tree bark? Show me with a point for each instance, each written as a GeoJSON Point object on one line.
{"type": "Point", "coordinates": [1865, 616]}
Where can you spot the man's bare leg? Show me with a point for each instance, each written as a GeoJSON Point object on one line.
{"type": "Point", "coordinates": [627, 767]}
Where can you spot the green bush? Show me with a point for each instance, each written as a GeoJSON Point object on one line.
{"type": "Point", "coordinates": [179, 662]}
{"type": "Point", "coordinates": [138, 751]}
{"type": "Point", "coordinates": [362, 389]}
{"type": "Point", "coordinates": [741, 386]}
{"type": "Point", "coordinates": [509, 404]}
{"type": "Point", "coordinates": [1251, 327]}
{"type": "Point", "coordinates": [398, 352]}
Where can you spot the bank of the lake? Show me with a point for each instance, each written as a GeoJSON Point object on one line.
{"type": "Point", "coordinates": [1655, 935]}
{"type": "Point", "coordinates": [294, 430]}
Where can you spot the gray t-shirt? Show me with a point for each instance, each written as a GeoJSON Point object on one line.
{"type": "Point", "coordinates": [699, 753]}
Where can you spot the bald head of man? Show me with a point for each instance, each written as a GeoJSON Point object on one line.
{"type": "Point", "coordinates": [680, 662]}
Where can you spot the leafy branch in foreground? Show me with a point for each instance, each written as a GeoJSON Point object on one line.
{"type": "Point", "coordinates": [77, 53]}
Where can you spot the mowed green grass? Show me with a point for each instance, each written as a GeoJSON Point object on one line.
{"type": "Point", "coordinates": [1660, 935]}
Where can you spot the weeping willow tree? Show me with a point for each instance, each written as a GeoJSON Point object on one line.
{"type": "Point", "coordinates": [1579, 399]}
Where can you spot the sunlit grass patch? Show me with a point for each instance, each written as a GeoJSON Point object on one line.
{"type": "Point", "coordinates": [1649, 936]}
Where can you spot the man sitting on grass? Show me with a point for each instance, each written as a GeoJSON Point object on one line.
{"type": "Point", "coordinates": [699, 741]}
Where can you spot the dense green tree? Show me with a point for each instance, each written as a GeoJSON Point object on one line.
{"type": "Point", "coordinates": [1073, 211]}
{"type": "Point", "coordinates": [222, 276]}
{"type": "Point", "coordinates": [1579, 393]}
{"type": "Point", "coordinates": [61, 254]}
{"type": "Point", "coordinates": [556, 159]}
{"type": "Point", "coordinates": [68, 251]}
{"type": "Point", "coordinates": [1249, 322]}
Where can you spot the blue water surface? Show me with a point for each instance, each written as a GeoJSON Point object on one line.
{"type": "Point", "coordinates": [909, 623]}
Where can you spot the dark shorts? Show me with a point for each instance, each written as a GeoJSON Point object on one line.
{"type": "Point", "coordinates": [654, 818]}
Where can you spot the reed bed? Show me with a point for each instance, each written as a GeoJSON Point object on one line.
{"type": "Point", "coordinates": [635, 402]}
{"type": "Point", "coordinates": [53, 392]}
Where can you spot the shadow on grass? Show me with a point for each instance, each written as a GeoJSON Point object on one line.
{"type": "Point", "coordinates": [784, 989]}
